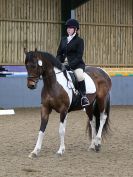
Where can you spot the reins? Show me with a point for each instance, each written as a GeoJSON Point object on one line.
{"type": "Point", "coordinates": [40, 78]}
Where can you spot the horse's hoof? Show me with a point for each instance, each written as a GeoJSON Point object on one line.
{"type": "Point", "coordinates": [97, 147]}
{"type": "Point", "coordinates": [32, 155]}
{"type": "Point", "coordinates": [60, 152]}
{"type": "Point", "coordinates": [91, 148]}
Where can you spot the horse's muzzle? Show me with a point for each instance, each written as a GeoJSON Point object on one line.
{"type": "Point", "coordinates": [31, 84]}
{"type": "Point", "coordinates": [32, 87]}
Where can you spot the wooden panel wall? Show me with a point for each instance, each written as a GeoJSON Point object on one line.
{"type": "Point", "coordinates": [107, 28]}
{"type": "Point", "coordinates": [28, 23]}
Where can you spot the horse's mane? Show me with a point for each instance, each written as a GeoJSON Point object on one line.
{"type": "Point", "coordinates": [53, 60]}
{"type": "Point", "coordinates": [49, 57]}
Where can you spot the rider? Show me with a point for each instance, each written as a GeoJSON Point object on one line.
{"type": "Point", "coordinates": [71, 50]}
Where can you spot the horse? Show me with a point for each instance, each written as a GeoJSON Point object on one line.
{"type": "Point", "coordinates": [58, 95]}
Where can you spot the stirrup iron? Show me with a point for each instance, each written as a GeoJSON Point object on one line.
{"type": "Point", "coordinates": [84, 101]}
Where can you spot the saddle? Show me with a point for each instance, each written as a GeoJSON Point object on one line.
{"type": "Point", "coordinates": [89, 83]}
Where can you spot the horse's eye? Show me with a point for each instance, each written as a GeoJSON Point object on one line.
{"type": "Point", "coordinates": [33, 65]}
{"type": "Point", "coordinates": [28, 65]}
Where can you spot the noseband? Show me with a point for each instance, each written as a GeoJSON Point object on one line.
{"type": "Point", "coordinates": [33, 78]}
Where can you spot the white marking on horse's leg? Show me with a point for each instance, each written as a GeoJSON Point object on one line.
{"type": "Point", "coordinates": [38, 146]}
{"type": "Point", "coordinates": [62, 128]}
{"type": "Point", "coordinates": [93, 129]}
{"type": "Point", "coordinates": [103, 118]}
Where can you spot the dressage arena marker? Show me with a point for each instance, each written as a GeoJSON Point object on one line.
{"type": "Point", "coordinates": [7, 112]}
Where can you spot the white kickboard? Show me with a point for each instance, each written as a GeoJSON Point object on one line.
{"type": "Point", "coordinates": [90, 85]}
{"type": "Point", "coordinates": [7, 112]}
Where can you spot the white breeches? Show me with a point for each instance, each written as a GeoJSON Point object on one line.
{"type": "Point", "coordinates": [79, 73]}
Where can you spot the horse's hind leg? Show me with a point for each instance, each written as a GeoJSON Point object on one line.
{"type": "Point", "coordinates": [92, 125]}
{"type": "Point", "coordinates": [98, 138]}
{"type": "Point", "coordinates": [44, 120]}
{"type": "Point", "coordinates": [62, 127]}
{"type": "Point", "coordinates": [93, 132]}
{"type": "Point", "coordinates": [103, 106]}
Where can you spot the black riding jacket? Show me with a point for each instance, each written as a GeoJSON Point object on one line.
{"type": "Point", "coordinates": [73, 51]}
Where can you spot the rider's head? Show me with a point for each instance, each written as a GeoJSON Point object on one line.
{"type": "Point", "coordinates": [72, 26]}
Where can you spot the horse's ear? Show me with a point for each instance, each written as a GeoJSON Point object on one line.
{"type": "Point", "coordinates": [25, 51]}
{"type": "Point", "coordinates": [35, 52]}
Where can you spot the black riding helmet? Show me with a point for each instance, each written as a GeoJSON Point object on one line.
{"type": "Point", "coordinates": [72, 23]}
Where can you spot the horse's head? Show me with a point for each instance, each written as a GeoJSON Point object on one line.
{"type": "Point", "coordinates": [34, 66]}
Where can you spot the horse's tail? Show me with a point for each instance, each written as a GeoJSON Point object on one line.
{"type": "Point", "coordinates": [96, 113]}
{"type": "Point", "coordinates": [106, 127]}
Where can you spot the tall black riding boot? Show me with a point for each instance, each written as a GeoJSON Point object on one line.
{"type": "Point", "coordinates": [82, 90]}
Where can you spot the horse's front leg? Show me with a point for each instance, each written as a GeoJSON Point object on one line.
{"type": "Point", "coordinates": [62, 127]}
{"type": "Point", "coordinates": [44, 120]}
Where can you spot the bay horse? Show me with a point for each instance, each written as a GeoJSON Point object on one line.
{"type": "Point", "coordinates": [57, 95]}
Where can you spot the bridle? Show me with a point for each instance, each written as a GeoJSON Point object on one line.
{"type": "Point", "coordinates": [38, 77]}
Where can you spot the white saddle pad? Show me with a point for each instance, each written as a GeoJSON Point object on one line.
{"type": "Point", "coordinates": [90, 85]}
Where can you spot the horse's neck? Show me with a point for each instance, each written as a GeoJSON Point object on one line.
{"type": "Point", "coordinates": [49, 79]}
